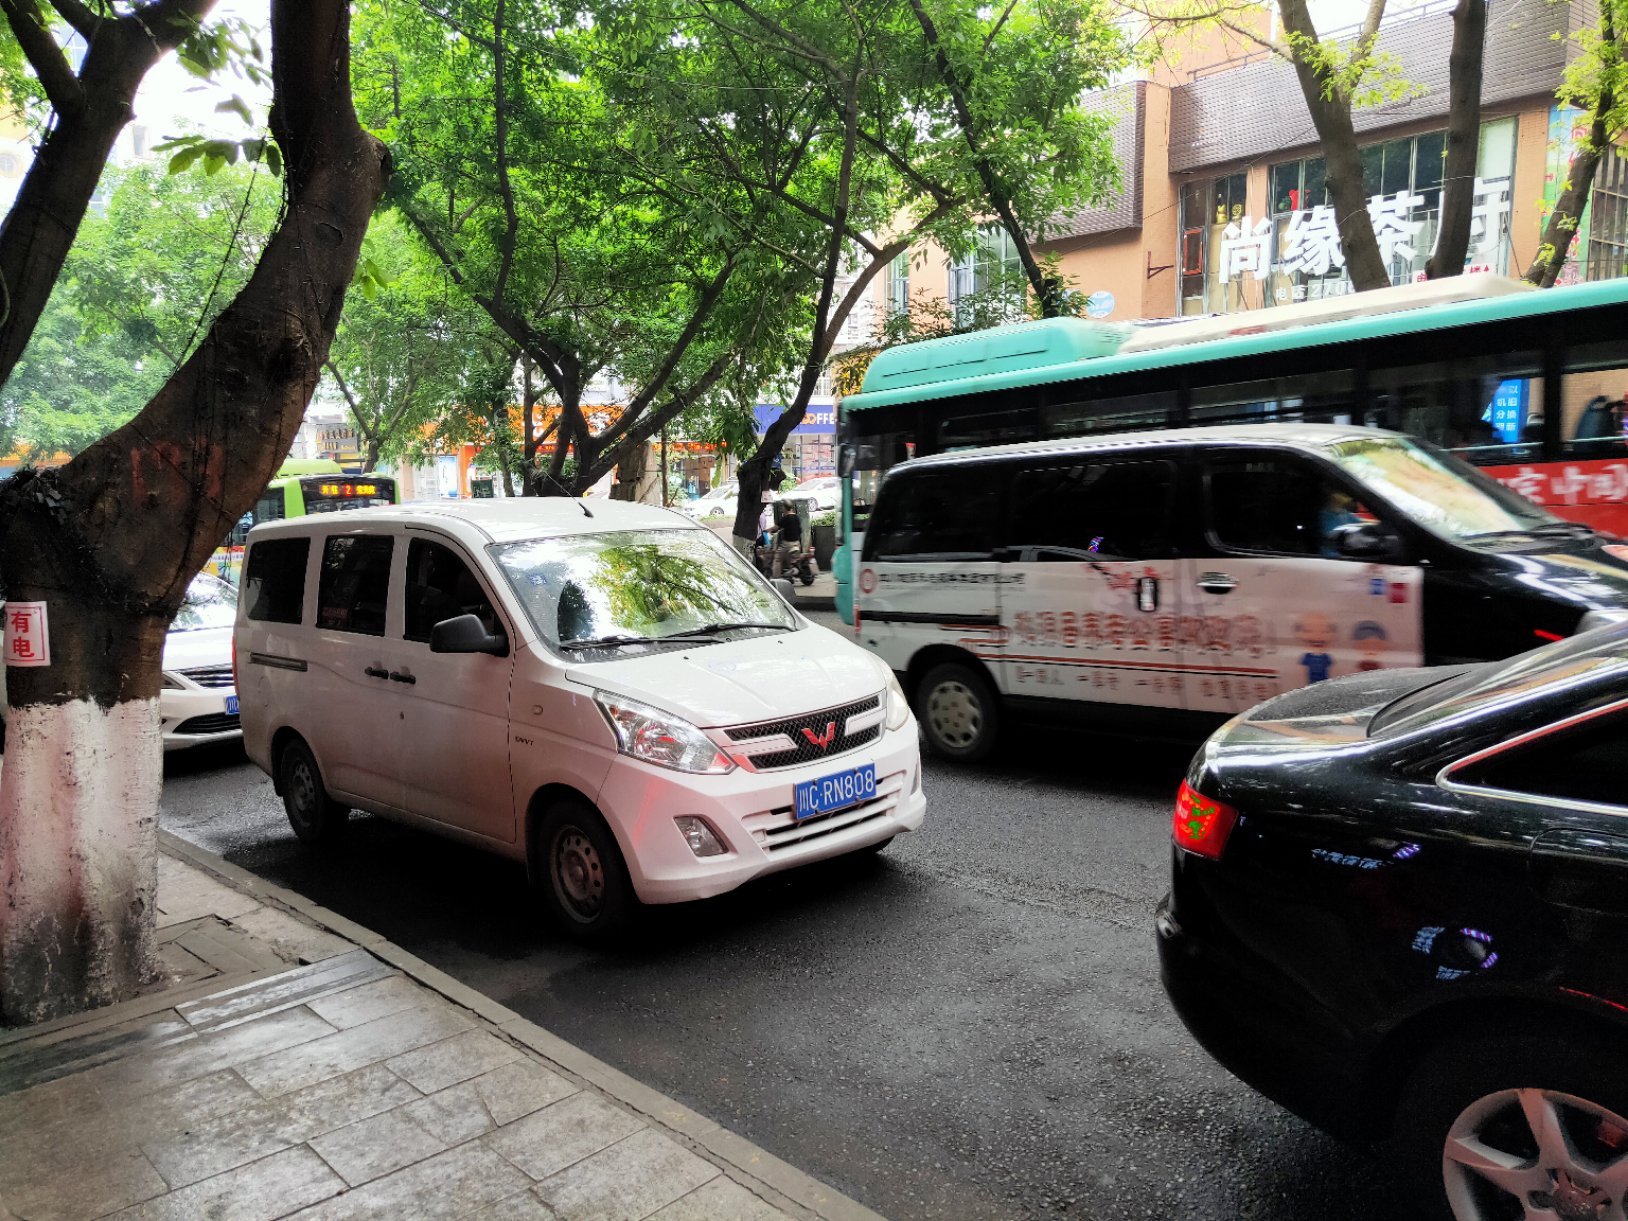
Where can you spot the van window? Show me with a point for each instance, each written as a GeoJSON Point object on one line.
{"type": "Point", "coordinates": [354, 583]}
{"type": "Point", "coordinates": [274, 585]}
{"type": "Point", "coordinates": [440, 586]}
{"type": "Point", "coordinates": [1278, 505]}
{"type": "Point", "coordinates": [1115, 511]}
{"type": "Point", "coordinates": [945, 514]}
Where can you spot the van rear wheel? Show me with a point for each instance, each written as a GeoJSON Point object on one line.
{"type": "Point", "coordinates": [584, 879]}
{"type": "Point", "coordinates": [959, 711]}
{"type": "Point", "coordinates": [316, 817]}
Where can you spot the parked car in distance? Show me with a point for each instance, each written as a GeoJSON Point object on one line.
{"type": "Point", "coordinates": [825, 491]}
{"type": "Point", "coordinates": [198, 700]}
{"type": "Point", "coordinates": [610, 695]}
{"type": "Point", "coordinates": [1399, 907]}
{"type": "Point", "coordinates": [719, 502]}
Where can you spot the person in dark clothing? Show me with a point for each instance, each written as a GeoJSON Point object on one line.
{"type": "Point", "coordinates": [790, 543]}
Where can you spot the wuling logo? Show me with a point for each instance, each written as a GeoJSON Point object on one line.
{"type": "Point", "coordinates": [822, 740]}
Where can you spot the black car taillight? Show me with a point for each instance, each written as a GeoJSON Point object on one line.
{"type": "Point", "coordinates": [1201, 824]}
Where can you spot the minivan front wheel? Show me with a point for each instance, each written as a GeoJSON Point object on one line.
{"type": "Point", "coordinates": [959, 712]}
{"type": "Point", "coordinates": [316, 817]}
{"type": "Point", "coordinates": [584, 879]}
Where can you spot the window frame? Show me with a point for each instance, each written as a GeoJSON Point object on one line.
{"type": "Point", "coordinates": [305, 581]}
{"type": "Point", "coordinates": [1445, 777]}
{"type": "Point", "coordinates": [388, 537]}
{"type": "Point", "coordinates": [412, 536]}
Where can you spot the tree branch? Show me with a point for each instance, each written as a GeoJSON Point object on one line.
{"type": "Point", "coordinates": [28, 26]}
{"type": "Point", "coordinates": [84, 22]}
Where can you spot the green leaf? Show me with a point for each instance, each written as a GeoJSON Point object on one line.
{"type": "Point", "coordinates": [274, 159]}
{"type": "Point", "coordinates": [183, 160]}
{"type": "Point", "coordinates": [235, 105]}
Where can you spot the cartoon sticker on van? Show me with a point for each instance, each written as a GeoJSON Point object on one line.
{"type": "Point", "coordinates": [1316, 631]}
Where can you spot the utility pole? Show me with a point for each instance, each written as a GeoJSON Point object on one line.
{"type": "Point", "coordinates": [664, 466]}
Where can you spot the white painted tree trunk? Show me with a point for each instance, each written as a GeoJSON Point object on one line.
{"type": "Point", "coordinates": [79, 796]}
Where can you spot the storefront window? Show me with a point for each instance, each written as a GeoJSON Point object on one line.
{"type": "Point", "coordinates": [1608, 219]}
{"type": "Point", "coordinates": [1208, 209]}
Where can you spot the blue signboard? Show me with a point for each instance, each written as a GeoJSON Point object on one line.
{"type": "Point", "coordinates": [1507, 411]}
{"type": "Point", "coordinates": [817, 421]}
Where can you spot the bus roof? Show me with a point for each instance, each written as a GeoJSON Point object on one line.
{"type": "Point", "coordinates": [1069, 349]}
{"type": "Point", "coordinates": [294, 467]}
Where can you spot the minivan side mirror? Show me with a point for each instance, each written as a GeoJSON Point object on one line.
{"type": "Point", "coordinates": [466, 634]}
{"type": "Point", "coordinates": [1369, 540]}
{"type": "Point", "coordinates": [847, 459]}
{"type": "Point", "coordinates": [786, 590]}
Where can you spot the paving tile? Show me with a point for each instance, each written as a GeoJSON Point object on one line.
{"type": "Point", "coordinates": [628, 1181]}
{"type": "Point", "coordinates": [547, 1141]}
{"type": "Point", "coordinates": [345, 1050]}
{"type": "Point", "coordinates": [453, 1060]}
{"type": "Point", "coordinates": [720, 1199]}
{"type": "Point", "coordinates": [457, 1183]}
{"type": "Point", "coordinates": [342, 1100]}
{"type": "Point", "coordinates": [373, 1147]}
{"type": "Point", "coordinates": [188, 893]}
{"type": "Point", "coordinates": [205, 1149]}
{"type": "Point", "coordinates": [202, 1054]}
{"type": "Point", "coordinates": [270, 1187]}
{"type": "Point", "coordinates": [516, 1090]}
{"type": "Point", "coordinates": [354, 1006]}
{"type": "Point", "coordinates": [93, 1188]}
{"type": "Point", "coordinates": [454, 1115]}
{"type": "Point", "coordinates": [523, 1207]}
{"type": "Point", "coordinates": [293, 938]}
{"type": "Point", "coordinates": [284, 990]}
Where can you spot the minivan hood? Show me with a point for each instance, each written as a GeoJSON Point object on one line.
{"type": "Point", "coordinates": [1588, 576]}
{"type": "Point", "coordinates": [204, 646]}
{"type": "Point", "coordinates": [738, 681]}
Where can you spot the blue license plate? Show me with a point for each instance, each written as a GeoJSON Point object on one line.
{"type": "Point", "coordinates": [231, 705]}
{"type": "Point", "coordinates": [836, 792]}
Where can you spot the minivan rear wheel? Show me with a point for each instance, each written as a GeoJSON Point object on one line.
{"type": "Point", "coordinates": [584, 879]}
{"type": "Point", "coordinates": [316, 817]}
{"type": "Point", "coordinates": [958, 711]}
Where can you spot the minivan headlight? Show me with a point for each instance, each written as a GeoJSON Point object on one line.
{"type": "Point", "coordinates": [898, 708]}
{"type": "Point", "coordinates": [658, 737]}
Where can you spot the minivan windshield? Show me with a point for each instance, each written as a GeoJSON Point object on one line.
{"type": "Point", "coordinates": [1443, 493]}
{"type": "Point", "coordinates": [638, 587]}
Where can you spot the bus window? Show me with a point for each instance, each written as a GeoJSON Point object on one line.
{"type": "Point", "coordinates": [1126, 413]}
{"type": "Point", "coordinates": [1323, 397]}
{"type": "Point", "coordinates": [1594, 404]}
{"type": "Point", "coordinates": [1483, 410]}
{"type": "Point", "coordinates": [874, 457]}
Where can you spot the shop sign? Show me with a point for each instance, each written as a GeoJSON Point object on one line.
{"type": "Point", "coordinates": [1311, 237]}
{"type": "Point", "coordinates": [817, 420]}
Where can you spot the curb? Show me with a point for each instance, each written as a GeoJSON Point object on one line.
{"type": "Point", "coordinates": [738, 1154]}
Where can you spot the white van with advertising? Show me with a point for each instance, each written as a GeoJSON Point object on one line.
{"type": "Point", "coordinates": [1202, 571]}
{"type": "Point", "coordinates": [609, 695]}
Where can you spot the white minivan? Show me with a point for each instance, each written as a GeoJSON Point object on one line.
{"type": "Point", "coordinates": [608, 694]}
{"type": "Point", "coordinates": [1190, 574]}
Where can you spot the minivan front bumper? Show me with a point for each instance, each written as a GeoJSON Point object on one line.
{"type": "Point", "coordinates": [751, 812]}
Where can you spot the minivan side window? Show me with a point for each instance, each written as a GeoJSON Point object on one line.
{"type": "Point", "coordinates": [945, 514]}
{"type": "Point", "coordinates": [274, 580]}
{"type": "Point", "coordinates": [440, 586]}
{"type": "Point", "coordinates": [354, 584]}
{"type": "Point", "coordinates": [1111, 511]}
{"type": "Point", "coordinates": [1278, 505]}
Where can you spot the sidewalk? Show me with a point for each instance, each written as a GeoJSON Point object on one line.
{"type": "Point", "coordinates": [297, 1064]}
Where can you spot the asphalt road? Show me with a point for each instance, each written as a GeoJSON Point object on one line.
{"type": "Point", "coordinates": [969, 1026]}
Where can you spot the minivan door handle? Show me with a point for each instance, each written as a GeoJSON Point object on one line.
{"type": "Point", "coordinates": [376, 672]}
{"type": "Point", "coordinates": [1216, 583]}
{"type": "Point", "coordinates": [397, 677]}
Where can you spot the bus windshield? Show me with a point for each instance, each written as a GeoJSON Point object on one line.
{"type": "Point", "coordinates": [1440, 492]}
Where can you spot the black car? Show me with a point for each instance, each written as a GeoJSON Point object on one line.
{"type": "Point", "coordinates": [1399, 907]}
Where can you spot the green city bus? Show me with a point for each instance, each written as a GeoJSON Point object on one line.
{"type": "Point", "coordinates": [1528, 384]}
{"type": "Point", "coordinates": [301, 486]}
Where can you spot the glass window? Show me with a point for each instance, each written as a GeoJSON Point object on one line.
{"type": "Point", "coordinates": [1278, 505]}
{"type": "Point", "coordinates": [440, 586]}
{"type": "Point", "coordinates": [1441, 492]}
{"type": "Point", "coordinates": [354, 583]}
{"type": "Point", "coordinates": [988, 285]}
{"type": "Point", "coordinates": [898, 285]}
{"type": "Point", "coordinates": [638, 586]}
{"type": "Point", "coordinates": [1121, 414]}
{"type": "Point", "coordinates": [1584, 763]}
{"type": "Point", "coordinates": [1429, 161]}
{"type": "Point", "coordinates": [209, 602]}
{"type": "Point", "coordinates": [274, 580]}
{"type": "Point", "coordinates": [1111, 511]}
{"type": "Point", "coordinates": [944, 514]}
{"type": "Point", "coordinates": [1482, 409]}
{"type": "Point", "coordinates": [1607, 255]}
{"type": "Point", "coordinates": [1594, 419]}
{"type": "Point", "coordinates": [874, 456]}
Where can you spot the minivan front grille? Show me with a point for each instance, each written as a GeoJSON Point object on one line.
{"type": "Point", "coordinates": [813, 735]}
{"type": "Point", "coordinates": [778, 830]}
{"type": "Point", "coordinates": [210, 676]}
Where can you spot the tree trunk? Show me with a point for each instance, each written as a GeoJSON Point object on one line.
{"type": "Point", "coordinates": [1463, 139]}
{"type": "Point", "coordinates": [630, 472]}
{"type": "Point", "coordinates": [1561, 230]}
{"type": "Point", "coordinates": [111, 540]}
{"type": "Point", "coordinates": [1331, 116]}
{"type": "Point", "coordinates": [370, 459]}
